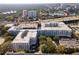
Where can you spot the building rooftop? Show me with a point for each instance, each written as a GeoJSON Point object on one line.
{"type": "Point", "coordinates": [24, 26]}
{"type": "Point", "coordinates": [25, 36]}
{"type": "Point", "coordinates": [54, 26]}
{"type": "Point", "coordinates": [9, 25]}
{"type": "Point", "coordinates": [14, 28]}
{"type": "Point", "coordinates": [28, 25]}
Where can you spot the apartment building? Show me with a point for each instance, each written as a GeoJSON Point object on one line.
{"type": "Point", "coordinates": [24, 13]}
{"type": "Point", "coordinates": [32, 13]}
{"type": "Point", "coordinates": [25, 40]}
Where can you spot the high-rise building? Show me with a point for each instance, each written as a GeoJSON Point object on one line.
{"type": "Point", "coordinates": [24, 13]}
{"type": "Point", "coordinates": [32, 13]}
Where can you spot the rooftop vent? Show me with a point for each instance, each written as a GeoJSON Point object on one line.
{"type": "Point", "coordinates": [24, 34]}
{"type": "Point", "coordinates": [51, 25]}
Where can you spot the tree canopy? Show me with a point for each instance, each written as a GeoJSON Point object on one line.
{"type": "Point", "coordinates": [47, 45]}
{"type": "Point", "coordinates": [60, 49]}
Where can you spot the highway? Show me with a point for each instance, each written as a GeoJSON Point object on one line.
{"type": "Point", "coordinates": [64, 19]}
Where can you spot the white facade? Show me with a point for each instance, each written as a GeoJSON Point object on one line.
{"type": "Point", "coordinates": [55, 29]}
{"type": "Point", "coordinates": [24, 13]}
{"type": "Point", "coordinates": [24, 40]}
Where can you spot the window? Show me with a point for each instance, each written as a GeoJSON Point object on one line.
{"type": "Point", "coordinates": [20, 47]}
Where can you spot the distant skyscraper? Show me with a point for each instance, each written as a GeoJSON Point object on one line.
{"type": "Point", "coordinates": [61, 5]}
{"type": "Point", "coordinates": [32, 13]}
{"type": "Point", "coordinates": [24, 14]}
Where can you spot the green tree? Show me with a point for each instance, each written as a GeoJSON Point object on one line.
{"type": "Point", "coordinates": [3, 31]}
{"type": "Point", "coordinates": [5, 28]}
{"type": "Point", "coordinates": [49, 46]}
{"type": "Point", "coordinates": [8, 38]}
{"type": "Point", "coordinates": [5, 47]}
{"type": "Point", "coordinates": [61, 49]}
{"type": "Point", "coordinates": [7, 34]}
{"type": "Point", "coordinates": [42, 39]}
{"type": "Point", "coordinates": [10, 18]}
{"type": "Point", "coordinates": [23, 51]}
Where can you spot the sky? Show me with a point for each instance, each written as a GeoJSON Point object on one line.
{"type": "Point", "coordinates": [36, 1]}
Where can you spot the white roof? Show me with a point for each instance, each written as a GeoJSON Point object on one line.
{"type": "Point", "coordinates": [9, 25]}
{"type": "Point", "coordinates": [26, 38]}
{"type": "Point", "coordinates": [60, 26]}
{"type": "Point", "coordinates": [28, 25]}
{"type": "Point", "coordinates": [15, 28]}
